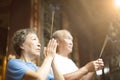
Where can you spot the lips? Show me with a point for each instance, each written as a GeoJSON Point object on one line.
{"type": "Point", "coordinates": [38, 50]}
{"type": "Point", "coordinates": [70, 46]}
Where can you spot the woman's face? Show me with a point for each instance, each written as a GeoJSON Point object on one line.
{"type": "Point", "coordinates": [31, 45]}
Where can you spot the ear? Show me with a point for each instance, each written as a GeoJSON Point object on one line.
{"type": "Point", "coordinates": [22, 46]}
{"type": "Point", "coordinates": [58, 42]}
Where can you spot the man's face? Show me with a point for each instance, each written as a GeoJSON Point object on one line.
{"type": "Point", "coordinates": [66, 43]}
{"type": "Point", "coordinates": [32, 45]}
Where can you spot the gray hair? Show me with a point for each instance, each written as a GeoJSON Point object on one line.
{"type": "Point", "coordinates": [60, 33]}
{"type": "Point", "coordinates": [19, 38]}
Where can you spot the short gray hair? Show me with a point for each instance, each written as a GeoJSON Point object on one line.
{"type": "Point", "coordinates": [19, 38]}
{"type": "Point", "coordinates": [60, 33]}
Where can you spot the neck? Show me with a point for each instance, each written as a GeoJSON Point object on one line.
{"type": "Point", "coordinates": [63, 53]}
{"type": "Point", "coordinates": [25, 58]}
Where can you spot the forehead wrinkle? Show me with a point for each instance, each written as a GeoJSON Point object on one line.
{"type": "Point", "coordinates": [67, 34]}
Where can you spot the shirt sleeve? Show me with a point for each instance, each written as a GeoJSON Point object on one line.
{"type": "Point", "coordinates": [16, 70]}
{"type": "Point", "coordinates": [50, 77]}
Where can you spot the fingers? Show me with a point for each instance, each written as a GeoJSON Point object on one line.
{"type": "Point", "coordinates": [99, 64]}
{"type": "Point", "coordinates": [54, 44]}
{"type": "Point", "coordinates": [45, 52]}
{"type": "Point", "coordinates": [51, 47]}
{"type": "Point", "coordinates": [95, 65]}
{"type": "Point", "coordinates": [49, 44]}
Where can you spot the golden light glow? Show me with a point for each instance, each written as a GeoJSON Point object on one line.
{"type": "Point", "coordinates": [117, 3]}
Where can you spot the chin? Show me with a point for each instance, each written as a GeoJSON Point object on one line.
{"type": "Point", "coordinates": [70, 51]}
{"type": "Point", "coordinates": [36, 55]}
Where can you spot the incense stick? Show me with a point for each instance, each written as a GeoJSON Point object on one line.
{"type": "Point", "coordinates": [104, 44]}
{"type": "Point", "coordinates": [53, 13]}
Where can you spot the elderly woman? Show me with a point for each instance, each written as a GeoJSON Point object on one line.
{"type": "Point", "coordinates": [27, 47]}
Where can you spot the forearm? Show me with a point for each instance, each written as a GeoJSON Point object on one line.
{"type": "Point", "coordinates": [57, 74]}
{"type": "Point", "coordinates": [77, 75]}
{"type": "Point", "coordinates": [89, 76]}
{"type": "Point", "coordinates": [43, 71]}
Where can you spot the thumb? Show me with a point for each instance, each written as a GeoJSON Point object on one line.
{"type": "Point", "coordinates": [45, 52]}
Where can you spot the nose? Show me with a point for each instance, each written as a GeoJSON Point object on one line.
{"type": "Point", "coordinates": [71, 43]}
{"type": "Point", "coordinates": [39, 45]}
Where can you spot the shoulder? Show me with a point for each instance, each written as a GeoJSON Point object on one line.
{"type": "Point", "coordinates": [16, 62]}
{"type": "Point", "coordinates": [16, 69]}
{"type": "Point", "coordinates": [19, 64]}
{"type": "Point", "coordinates": [62, 58]}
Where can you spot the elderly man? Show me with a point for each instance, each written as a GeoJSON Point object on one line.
{"type": "Point", "coordinates": [66, 65]}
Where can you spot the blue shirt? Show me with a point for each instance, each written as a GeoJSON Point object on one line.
{"type": "Point", "coordinates": [17, 68]}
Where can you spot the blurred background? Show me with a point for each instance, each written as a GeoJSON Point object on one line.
{"type": "Point", "coordinates": [94, 24]}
